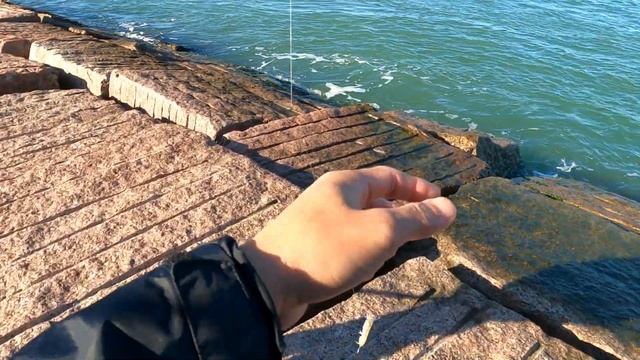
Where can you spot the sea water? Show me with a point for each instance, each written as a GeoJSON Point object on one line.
{"type": "Point", "coordinates": [561, 77]}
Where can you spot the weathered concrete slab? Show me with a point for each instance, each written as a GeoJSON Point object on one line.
{"type": "Point", "coordinates": [20, 75]}
{"type": "Point", "coordinates": [574, 271]}
{"type": "Point", "coordinates": [304, 147]}
{"type": "Point", "coordinates": [620, 210]}
{"type": "Point", "coordinates": [501, 154]}
{"type": "Point", "coordinates": [94, 195]}
{"type": "Point", "coordinates": [12, 13]}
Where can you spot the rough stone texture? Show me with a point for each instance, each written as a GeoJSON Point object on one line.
{"type": "Point", "coordinates": [620, 210]}
{"type": "Point", "coordinates": [422, 311]}
{"type": "Point", "coordinates": [497, 333]}
{"type": "Point", "coordinates": [93, 195]}
{"type": "Point", "coordinates": [20, 75]}
{"type": "Point", "coordinates": [501, 154]}
{"type": "Point", "coordinates": [304, 147]}
{"type": "Point", "coordinates": [16, 39]}
{"type": "Point", "coordinates": [203, 97]}
{"type": "Point", "coordinates": [207, 98]}
{"type": "Point", "coordinates": [573, 271]}
{"type": "Point", "coordinates": [333, 334]}
{"type": "Point", "coordinates": [12, 13]}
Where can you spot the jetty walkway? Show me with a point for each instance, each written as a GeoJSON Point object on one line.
{"type": "Point", "coordinates": [116, 157]}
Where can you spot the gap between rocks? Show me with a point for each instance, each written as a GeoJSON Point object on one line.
{"type": "Point", "coordinates": [482, 285]}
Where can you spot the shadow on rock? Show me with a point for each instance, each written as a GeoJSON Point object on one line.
{"type": "Point", "coordinates": [603, 294]}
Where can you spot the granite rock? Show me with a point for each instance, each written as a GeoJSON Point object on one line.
{"type": "Point", "coordinates": [304, 147]}
{"type": "Point", "coordinates": [498, 333]}
{"type": "Point", "coordinates": [95, 195]}
{"type": "Point", "coordinates": [20, 75]}
{"type": "Point", "coordinates": [207, 98]}
{"type": "Point", "coordinates": [502, 155]}
{"type": "Point", "coordinates": [574, 272]}
{"type": "Point", "coordinates": [16, 39]}
{"type": "Point", "coordinates": [422, 311]}
{"type": "Point", "coordinates": [618, 209]}
{"type": "Point", "coordinates": [12, 13]}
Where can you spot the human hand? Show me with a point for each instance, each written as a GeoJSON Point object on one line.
{"type": "Point", "coordinates": [339, 232]}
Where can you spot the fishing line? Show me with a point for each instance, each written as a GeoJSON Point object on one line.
{"type": "Point", "coordinates": [291, 51]}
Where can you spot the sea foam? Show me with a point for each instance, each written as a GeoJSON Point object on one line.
{"type": "Point", "coordinates": [567, 167]}
{"type": "Point", "coordinates": [335, 90]}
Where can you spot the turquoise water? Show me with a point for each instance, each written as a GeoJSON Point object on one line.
{"type": "Point", "coordinates": [561, 78]}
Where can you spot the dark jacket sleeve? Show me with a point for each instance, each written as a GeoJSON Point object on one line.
{"type": "Point", "coordinates": [209, 305]}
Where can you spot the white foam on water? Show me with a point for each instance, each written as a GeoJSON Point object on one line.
{"type": "Point", "coordinates": [567, 168]}
{"type": "Point", "coordinates": [264, 63]}
{"type": "Point", "coordinates": [298, 56]}
{"type": "Point", "coordinates": [316, 91]}
{"type": "Point", "coordinates": [137, 36]}
{"type": "Point", "coordinates": [633, 174]}
{"type": "Point", "coordinates": [314, 70]}
{"type": "Point", "coordinates": [351, 98]}
{"type": "Point", "coordinates": [410, 111]}
{"type": "Point", "coordinates": [534, 129]}
{"type": "Point", "coordinates": [544, 175]}
{"type": "Point", "coordinates": [387, 77]}
{"type": "Point", "coordinates": [335, 90]}
{"type": "Point", "coordinates": [375, 106]}
{"type": "Point", "coordinates": [451, 116]}
{"type": "Point", "coordinates": [472, 126]}
{"type": "Point", "coordinates": [283, 78]}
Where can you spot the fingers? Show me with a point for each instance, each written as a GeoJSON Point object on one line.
{"type": "Point", "coordinates": [379, 203]}
{"type": "Point", "coordinates": [417, 220]}
{"type": "Point", "coordinates": [387, 182]}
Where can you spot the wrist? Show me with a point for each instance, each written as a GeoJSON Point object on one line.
{"type": "Point", "coordinates": [274, 275]}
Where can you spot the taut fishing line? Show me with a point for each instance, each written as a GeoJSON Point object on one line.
{"type": "Point", "coordinates": [291, 51]}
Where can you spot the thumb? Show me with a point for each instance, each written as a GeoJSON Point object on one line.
{"type": "Point", "coordinates": [420, 220]}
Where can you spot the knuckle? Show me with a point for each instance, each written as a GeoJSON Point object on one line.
{"type": "Point", "coordinates": [421, 213]}
{"type": "Point", "coordinates": [333, 175]}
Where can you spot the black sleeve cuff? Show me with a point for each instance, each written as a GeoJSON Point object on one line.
{"type": "Point", "coordinates": [210, 304]}
{"type": "Point", "coordinates": [255, 292]}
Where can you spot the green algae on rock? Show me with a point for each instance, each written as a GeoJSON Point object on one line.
{"type": "Point", "coordinates": [574, 271]}
{"type": "Point", "coordinates": [503, 155]}
{"type": "Point", "coordinates": [304, 147]}
{"type": "Point", "coordinates": [622, 211]}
